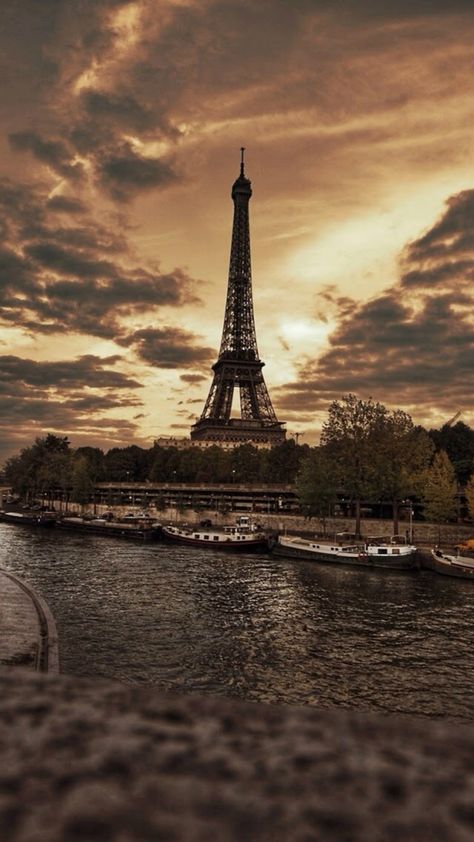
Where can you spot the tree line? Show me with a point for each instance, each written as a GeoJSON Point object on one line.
{"type": "Point", "coordinates": [367, 453]}
{"type": "Point", "coordinates": [51, 463]}
{"type": "Point", "coordinates": [371, 453]}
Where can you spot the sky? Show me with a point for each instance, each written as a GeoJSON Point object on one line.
{"type": "Point", "coordinates": [121, 127]}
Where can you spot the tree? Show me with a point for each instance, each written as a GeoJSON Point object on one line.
{"type": "Point", "coordinates": [94, 458]}
{"type": "Point", "coordinates": [352, 436]}
{"type": "Point", "coordinates": [126, 464]}
{"type": "Point", "coordinates": [82, 481]}
{"type": "Point", "coordinates": [316, 484]}
{"type": "Point", "coordinates": [245, 462]}
{"type": "Point", "coordinates": [458, 442]}
{"type": "Point", "coordinates": [469, 491]}
{"type": "Point", "coordinates": [281, 463]}
{"type": "Point", "coordinates": [40, 468]}
{"type": "Point", "coordinates": [404, 453]}
{"type": "Point", "coordinates": [439, 493]}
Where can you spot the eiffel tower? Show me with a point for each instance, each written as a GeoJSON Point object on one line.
{"type": "Point", "coordinates": [238, 364]}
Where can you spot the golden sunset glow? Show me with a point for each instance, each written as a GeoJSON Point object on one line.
{"type": "Point", "coordinates": [122, 129]}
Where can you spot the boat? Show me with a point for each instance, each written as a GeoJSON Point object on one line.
{"type": "Point", "coordinates": [138, 529]}
{"type": "Point", "coordinates": [243, 535]}
{"type": "Point", "coordinates": [462, 567]}
{"type": "Point", "coordinates": [45, 519]}
{"type": "Point", "coordinates": [391, 553]}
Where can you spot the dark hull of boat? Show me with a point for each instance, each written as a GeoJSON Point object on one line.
{"type": "Point", "coordinates": [115, 530]}
{"type": "Point", "coordinates": [406, 562]}
{"type": "Point", "coordinates": [201, 543]}
{"type": "Point", "coordinates": [458, 571]}
{"type": "Point", "coordinates": [28, 520]}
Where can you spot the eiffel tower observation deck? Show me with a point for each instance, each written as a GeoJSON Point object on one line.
{"type": "Point", "coordinates": [238, 364]}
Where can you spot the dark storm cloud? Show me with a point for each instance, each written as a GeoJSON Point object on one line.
{"type": "Point", "coordinates": [169, 347]}
{"type": "Point", "coordinates": [54, 153]}
{"type": "Point", "coordinates": [192, 379]}
{"type": "Point", "coordinates": [121, 108]}
{"type": "Point", "coordinates": [123, 172]}
{"type": "Point", "coordinates": [445, 254]}
{"type": "Point", "coordinates": [88, 370]}
{"type": "Point", "coordinates": [66, 204]}
{"type": "Point", "coordinates": [77, 278]}
{"type": "Point", "coordinates": [69, 261]}
{"type": "Point", "coordinates": [181, 68]}
{"type": "Point", "coordinates": [63, 395]}
{"type": "Point", "coordinates": [413, 345]}
{"type": "Point", "coordinates": [398, 9]}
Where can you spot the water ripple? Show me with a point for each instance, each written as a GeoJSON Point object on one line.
{"type": "Point", "coordinates": [252, 626]}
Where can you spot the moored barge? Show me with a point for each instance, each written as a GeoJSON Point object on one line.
{"type": "Point", "coordinates": [45, 519]}
{"type": "Point", "coordinates": [242, 536]}
{"type": "Point", "coordinates": [387, 553]}
{"type": "Point", "coordinates": [461, 567]}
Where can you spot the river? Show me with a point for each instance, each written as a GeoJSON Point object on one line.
{"type": "Point", "coordinates": [251, 626]}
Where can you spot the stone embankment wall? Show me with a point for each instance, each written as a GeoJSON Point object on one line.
{"type": "Point", "coordinates": [424, 534]}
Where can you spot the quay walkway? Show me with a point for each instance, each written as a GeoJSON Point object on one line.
{"type": "Point", "coordinates": [28, 636]}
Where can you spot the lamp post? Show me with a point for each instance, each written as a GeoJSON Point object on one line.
{"type": "Point", "coordinates": [410, 520]}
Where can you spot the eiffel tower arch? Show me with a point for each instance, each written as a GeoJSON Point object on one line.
{"type": "Point", "coordinates": [238, 365]}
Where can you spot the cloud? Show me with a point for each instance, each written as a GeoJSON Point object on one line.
{"type": "Point", "coordinates": [445, 254]}
{"type": "Point", "coordinates": [169, 347]}
{"type": "Point", "coordinates": [192, 379]}
{"type": "Point", "coordinates": [66, 204]}
{"type": "Point", "coordinates": [123, 172]}
{"type": "Point", "coordinates": [76, 278]}
{"type": "Point", "coordinates": [76, 396]}
{"type": "Point", "coordinates": [54, 153]}
{"type": "Point", "coordinates": [118, 107]}
{"type": "Point", "coordinates": [87, 371]}
{"type": "Point", "coordinates": [412, 345]}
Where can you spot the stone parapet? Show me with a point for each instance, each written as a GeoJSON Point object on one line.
{"type": "Point", "coordinates": [28, 632]}
{"type": "Point", "coordinates": [89, 760]}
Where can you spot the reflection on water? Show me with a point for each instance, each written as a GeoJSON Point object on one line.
{"type": "Point", "coordinates": [253, 626]}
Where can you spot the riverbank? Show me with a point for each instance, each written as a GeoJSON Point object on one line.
{"type": "Point", "coordinates": [424, 534]}
{"type": "Point", "coordinates": [27, 627]}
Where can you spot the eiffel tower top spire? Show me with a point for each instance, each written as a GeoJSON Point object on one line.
{"type": "Point", "coordinates": [238, 334]}
{"type": "Point", "coordinates": [238, 363]}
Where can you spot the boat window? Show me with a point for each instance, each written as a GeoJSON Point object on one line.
{"type": "Point", "coordinates": [216, 537]}
{"type": "Point", "coordinates": [382, 551]}
{"type": "Point", "coordinates": [396, 551]}
{"type": "Point", "coordinates": [206, 537]}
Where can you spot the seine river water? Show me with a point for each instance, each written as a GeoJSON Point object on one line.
{"type": "Point", "coordinates": [251, 626]}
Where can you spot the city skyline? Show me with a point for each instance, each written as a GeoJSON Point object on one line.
{"type": "Point", "coordinates": [122, 125]}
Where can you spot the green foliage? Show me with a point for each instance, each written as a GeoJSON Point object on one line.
{"type": "Point", "coordinates": [40, 468]}
{"type": "Point", "coordinates": [458, 442]}
{"type": "Point", "coordinates": [439, 492]}
{"type": "Point", "coordinates": [469, 491]}
{"type": "Point", "coordinates": [316, 483]}
{"type": "Point", "coordinates": [126, 464]}
{"type": "Point", "coordinates": [81, 479]}
{"type": "Point", "coordinates": [404, 453]}
{"type": "Point", "coordinates": [353, 436]}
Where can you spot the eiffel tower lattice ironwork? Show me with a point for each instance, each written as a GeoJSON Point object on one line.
{"type": "Point", "coordinates": [238, 364]}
